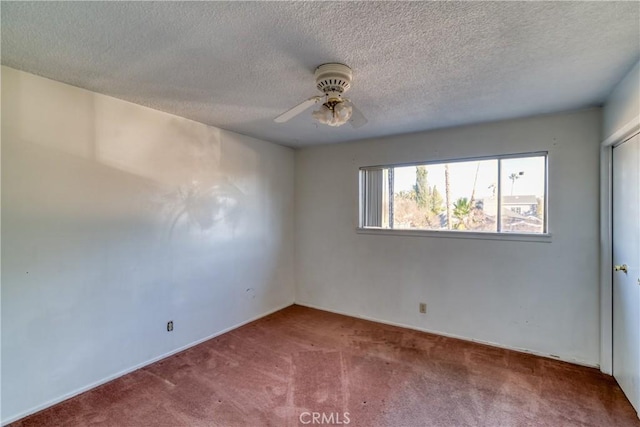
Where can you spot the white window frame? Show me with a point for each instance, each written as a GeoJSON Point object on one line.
{"type": "Point", "coordinates": [545, 236]}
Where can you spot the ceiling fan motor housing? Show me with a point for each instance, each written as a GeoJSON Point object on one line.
{"type": "Point", "coordinates": [333, 78]}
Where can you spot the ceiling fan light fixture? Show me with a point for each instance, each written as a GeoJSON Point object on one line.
{"type": "Point", "coordinates": [333, 80]}
{"type": "Point", "coordinates": [333, 114]}
{"type": "Point", "coordinates": [342, 112]}
{"type": "Point", "coordinates": [323, 114]}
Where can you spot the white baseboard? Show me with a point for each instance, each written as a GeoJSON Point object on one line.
{"type": "Point", "coordinates": [95, 384]}
{"type": "Point", "coordinates": [445, 334]}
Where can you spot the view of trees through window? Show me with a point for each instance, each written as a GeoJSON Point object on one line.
{"type": "Point", "coordinates": [492, 195]}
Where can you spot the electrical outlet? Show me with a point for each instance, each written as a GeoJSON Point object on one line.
{"type": "Point", "coordinates": [170, 326]}
{"type": "Point", "coordinates": [423, 307]}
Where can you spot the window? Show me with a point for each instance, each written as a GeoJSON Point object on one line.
{"type": "Point", "coordinates": [502, 194]}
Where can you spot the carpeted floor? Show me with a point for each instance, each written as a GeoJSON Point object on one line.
{"type": "Point", "coordinates": [280, 370]}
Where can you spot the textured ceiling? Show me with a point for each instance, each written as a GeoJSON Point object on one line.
{"type": "Point", "coordinates": [417, 65]}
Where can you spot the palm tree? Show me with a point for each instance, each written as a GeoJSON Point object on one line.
{"type": "Point", "coordinates": [461, 211]}
{"type": "Point", "coordinates": [513, 178]}
{"type": "Point", "coordinates": [475, 181]}
{"type": "Point", "coordinates": [447, 192]}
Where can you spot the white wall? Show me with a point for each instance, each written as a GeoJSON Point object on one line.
{"type": "Point", "coordinates": [536, 296]}
{"type": "Point", "coordinates": [622, 108]}
{"type": "Point", "coordinates": [116, 219]}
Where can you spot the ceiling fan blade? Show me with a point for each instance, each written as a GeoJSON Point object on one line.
{"type": "Point", "coordinates": [357, 118]}
{"type": "Point", "coordinates": [297, 110]}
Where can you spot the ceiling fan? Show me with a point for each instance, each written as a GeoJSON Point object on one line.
{"type": "Point", "coordinates": [333, 80]}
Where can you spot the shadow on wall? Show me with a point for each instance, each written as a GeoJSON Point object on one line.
{"type": "Point", "coordinates": [207, 207]}
{"type": "Point", "coordinates": [181, 158]}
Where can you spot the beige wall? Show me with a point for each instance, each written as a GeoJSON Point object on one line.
{"type": "Point", "coordinates": [536, 296]}
{"type": "Point", "coordinates": [116, 219]}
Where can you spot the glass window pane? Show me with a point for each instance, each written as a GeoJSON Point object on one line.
{"type": "Point", "coordinates": [523, 194]}
{"type": "Point", "coordinates": [418, 200]}
{"type": "Point", "coordinates": [421, 195]}
{"type": "Point", "coordinates": [473, 187]}
{"type": "Point", "coordinates": [458, 195]}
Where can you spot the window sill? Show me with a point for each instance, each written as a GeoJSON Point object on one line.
{"type": "Point", "coordinates": [451, 234]}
